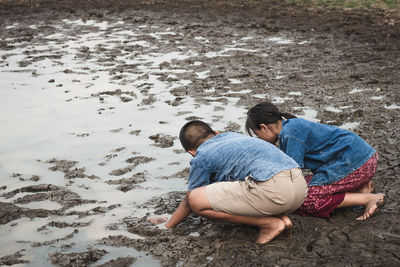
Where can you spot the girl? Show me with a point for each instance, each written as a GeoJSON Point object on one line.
{"type": "Point", "coordinates": [342, 163]}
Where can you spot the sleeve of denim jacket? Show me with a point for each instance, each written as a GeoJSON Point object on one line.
{"type": "Point", "coordinates": [198, 177]}
{"type": "Point", "coordinates": [296, 149]}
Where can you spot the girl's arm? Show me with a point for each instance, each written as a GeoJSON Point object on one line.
{"type": "Point", "coordinates": [294, 148]}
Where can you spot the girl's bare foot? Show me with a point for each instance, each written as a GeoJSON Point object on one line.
{"type": "Point", "coordinates": [367, 188]}
{"type": "Point", "coordinates": [373, 206]}
{"type": "Point", "coordinates": [272, 228]}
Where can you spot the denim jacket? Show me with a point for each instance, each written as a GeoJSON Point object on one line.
{"type": "Point", "coordinates": [231, 156]}
{"type": "Point", "coordinates": [331, 153]}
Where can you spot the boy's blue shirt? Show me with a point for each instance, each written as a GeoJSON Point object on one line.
{"type": "Point", "coordinates": [231, 156]}
{"type": "Point", "coordinates": [329, 152]}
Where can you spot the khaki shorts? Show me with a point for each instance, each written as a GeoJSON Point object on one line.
{"type": "Point", "coordinates": [282, 193]}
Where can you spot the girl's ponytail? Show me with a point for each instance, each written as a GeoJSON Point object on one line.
{"type": "Point", "coordinates": [287, 115]}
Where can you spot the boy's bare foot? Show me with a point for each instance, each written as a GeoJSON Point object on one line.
{"type": "Point", "coordinates": [287, 233]}
{"type": "Point", "coordinates": [367, 188]}
{"type": "Point", "coordinates": [373, 206]}
{"type": "Point", "coordinates": [272, 228]}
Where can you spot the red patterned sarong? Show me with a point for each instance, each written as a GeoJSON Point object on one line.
{"type": "Point", "coordinates": [322, 200]}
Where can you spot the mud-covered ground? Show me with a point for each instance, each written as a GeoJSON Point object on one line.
{"type": "Point", "coordinates": [93, 94]}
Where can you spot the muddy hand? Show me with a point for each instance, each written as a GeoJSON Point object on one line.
{"type": "Point", "coordinates": [158, 220]}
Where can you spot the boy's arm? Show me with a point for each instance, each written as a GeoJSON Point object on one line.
{"type": "Point", "coordinates": [181, 212]}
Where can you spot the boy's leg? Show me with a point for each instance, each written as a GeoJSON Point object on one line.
{"type": "Point", "coordinates": [269, 227]}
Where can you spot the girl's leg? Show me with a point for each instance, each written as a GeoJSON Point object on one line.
{"type": "Point", "coordinates": [322, 200]}
{"type": "Point", "coordinates": [371, 202]}
{"type": "Point", "coordinates": [269, 226]}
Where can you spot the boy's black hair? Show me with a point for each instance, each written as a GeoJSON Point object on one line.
{"type": "Point", "coordinates": [264, 113]}
{"type": "Point", "coordinates": [193, 133]}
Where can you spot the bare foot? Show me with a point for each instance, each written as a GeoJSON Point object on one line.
{"type": "Point", "coordinates": [273, 227]}
{"type": "Point", "coordinates": [287, 233]}
{"type": "Point", "coordinates": [367, 188]}
{"type": "Point", "coordinates": [373, 206]}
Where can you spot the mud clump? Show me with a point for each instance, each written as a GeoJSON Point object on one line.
{"type": "Point", "coordinates": [134, 161]}
{"type": "Point", "coordinates": [13, 259]}
{"type": "Point", "coordinates": [76, 259]}
{"type": "Point", "coordinates": [165, 204]}
{"type": "Point", "coordinates": [41, 192]}
{"type": "Point", "coordinates": [127, 184]}
{"type": "Point", "coordinates": [163, 140]}
{"type": "Point", "coordinates": [139, 160]}
{"type": "Point", "coordinates": [96, 210]}
{"type": "Point", "coordinates": [67, 167]}
{"type": "Point", "coordinates": [10, 212]}
{"type": "Point", "coordinates": [233, 127]}
{"type": "Point", "coordinates": [182, 174]}
{"type": "Point", "coordinates": [119, 262]}
{"type": "Point", "coordinates": [32, 189]}
{"type": "Point", "coordinates": [62, 225]}
{"type": "Point", "coordinates": [51, 242]}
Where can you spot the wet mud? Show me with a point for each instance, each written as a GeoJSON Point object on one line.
{"type": "Point", "coordinates": [342, 67]}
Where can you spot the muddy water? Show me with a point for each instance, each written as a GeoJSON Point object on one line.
{"type": "Point", "coordinates": [80, 109]}
{"type": "Point", "coordinates": [90, 111]}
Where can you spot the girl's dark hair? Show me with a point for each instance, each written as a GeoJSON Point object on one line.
{"type": "Point", "coordinates": [193, 133]}
{"type": "Point", "coordinates": [264, 113]}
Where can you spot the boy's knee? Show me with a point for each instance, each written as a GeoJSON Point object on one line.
{"type": "Point", "coordinates": [194, 199]}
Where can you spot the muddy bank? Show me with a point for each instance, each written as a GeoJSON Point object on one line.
{"type": "Point", "coordinates": [339, 240]}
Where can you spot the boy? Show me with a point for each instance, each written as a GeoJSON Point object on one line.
{"type": "Point", "coordinates": [238, 179]}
